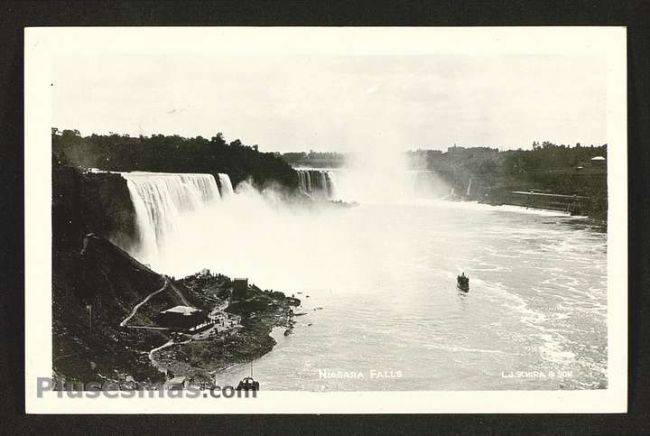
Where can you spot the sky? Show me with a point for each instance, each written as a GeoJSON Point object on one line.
{"type": "Point", "coordinates": [337, 103]}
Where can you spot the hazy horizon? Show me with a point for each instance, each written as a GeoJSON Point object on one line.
{"type": "Point", "coordinates": [338, 103]}
{"type": "Point", "coordinates": [442, 148]}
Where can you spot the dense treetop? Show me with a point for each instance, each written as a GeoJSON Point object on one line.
{"type": "Point", "coordinates": [479, 161]}
{"type": "Point", "coordinates": [161, 153]}
{"type": "Point", "coordinates": [546, 167]}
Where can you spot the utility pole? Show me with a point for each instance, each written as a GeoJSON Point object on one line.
{"type": "Point", "coordinates": [89, 308]}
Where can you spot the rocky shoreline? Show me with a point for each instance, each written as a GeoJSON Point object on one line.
{"type": "Point", "coordinates": [96, 288]}
{"type": "Point", "coordinates": [248, 339]}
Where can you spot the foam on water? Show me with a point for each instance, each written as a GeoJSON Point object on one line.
{"type": "Point", "coordinates": [384, 273]}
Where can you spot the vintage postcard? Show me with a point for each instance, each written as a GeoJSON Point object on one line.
{"type": "Point", "coordinates": [325, 220]}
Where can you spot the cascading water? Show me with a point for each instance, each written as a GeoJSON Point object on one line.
{"type": "Point", "coordinates": [331, 185]}
{"type": "Point", "coordinates": [225, 184]}
{"type": "Point", "coordinates": [352, 185]}
{"type": "Point", "coordinates": [159, 200]}
{"type": "Point", "coordinates": [317, 183]}
{"type": "Point", "coordinates": [365, 253]}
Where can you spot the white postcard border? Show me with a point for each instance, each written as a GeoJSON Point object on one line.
{"type": "Point", "coordinates": [42, 45]}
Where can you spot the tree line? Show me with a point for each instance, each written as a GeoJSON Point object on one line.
{"type": "Point", "coordinates": [171, 153]}
{"type": "Point", "coordinates": [546, 167]}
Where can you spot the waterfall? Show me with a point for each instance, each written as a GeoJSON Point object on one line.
{"type": "Point", "coordinates": [316, 183]}
{"type": "Point", "coordinates": [159, 200]}
{"type": "Point", "coordinates": [323, 183]}
{"type": "Point", "coordinates": [302, 181]}
{"type": "Point", "coordinates": [225, 185]}
{"type": "Point", "coordinates": [331, 185]}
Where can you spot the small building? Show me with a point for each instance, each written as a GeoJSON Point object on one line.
{"type": "Point", "coordinates": [239, 289]}
{"type": "Point", "coordinates": [181, 317]}
{"type": "Point", "coordinates": [598, 162]}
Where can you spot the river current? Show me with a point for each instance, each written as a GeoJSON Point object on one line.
{"type": "Point", "coordinates": [378, 285]}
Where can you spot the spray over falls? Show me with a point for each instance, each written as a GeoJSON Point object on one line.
{"type": "Point", "coordinates": [386, 248]}
{"type": "Point", "coordinates": [173, 211]}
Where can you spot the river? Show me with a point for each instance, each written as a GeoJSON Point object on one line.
{"type": "Point", "coordinates": [378, 286]}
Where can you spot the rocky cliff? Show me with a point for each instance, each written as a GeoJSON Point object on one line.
{"type": "Point", "coordinates": [97, 288]}
{"type": "Point", "coordinates": [91, 202]}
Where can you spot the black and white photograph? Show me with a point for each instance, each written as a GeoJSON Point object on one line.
{"type": "Point", "coordinates": [290, 220]}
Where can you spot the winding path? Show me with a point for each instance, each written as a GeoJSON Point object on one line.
{"type": "Point", "coordinates": [180, 294]}
{"type": "Point", "coordinates": [171, 342]}
{"type": "Point", "coordinates": [168, 283]}
{"type": "Point", "coordinates": [137, 306]}
{"type": "Point", "coordinates": [135, 310]}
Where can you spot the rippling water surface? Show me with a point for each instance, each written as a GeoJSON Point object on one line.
{"type": "Point", "coordinates": [378, 286]}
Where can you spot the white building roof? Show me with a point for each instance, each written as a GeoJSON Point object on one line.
{"type": "Point", "coordinates": [598, 158]}
{"type": "Point", "coordinates": [183, 310]}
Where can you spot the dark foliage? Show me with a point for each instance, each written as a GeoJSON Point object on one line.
{"type": "Point", "coordinates": [548, 167]}
{"type": "Point", "coordinates": [160, 153]}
